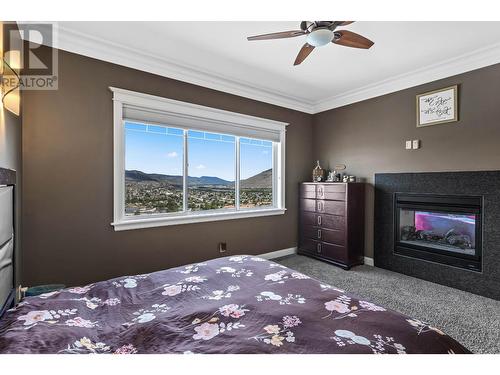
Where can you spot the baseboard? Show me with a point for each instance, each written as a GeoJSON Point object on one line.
{"type": "Point", "coordinates": [279, 253]}
{"type": "Point", "coordinates": [369, 261]}
{"type": "Point", "coordinates": [293, 250]}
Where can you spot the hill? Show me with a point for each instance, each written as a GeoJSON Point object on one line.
{"type": "Point", "coordinates": [260, 180]}
{"type": "Point", "coordinates": [139, 176]}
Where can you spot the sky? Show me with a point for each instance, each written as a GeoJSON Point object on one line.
{"type": "Point", "coordinates": [158, 149]}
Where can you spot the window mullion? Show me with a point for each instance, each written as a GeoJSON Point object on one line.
{"type": "Point", "coordinates": [275, 175]}
{"type": "Point", "coordinates": [185, 174]}
{"type": "Point", "coordinates": [237, 175]}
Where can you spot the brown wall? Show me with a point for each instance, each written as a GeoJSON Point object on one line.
{"type": "Point", "coordinates": [68, 181]}
{"type": "Point", "coordinates": [369, 136]}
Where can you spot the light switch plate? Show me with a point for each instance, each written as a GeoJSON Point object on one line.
{"type": "Point", "coordinates": [416, 144]}
{"type": "Point", "coordinates": [408, 145]}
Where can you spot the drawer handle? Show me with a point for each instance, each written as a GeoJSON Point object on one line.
{"type": "Point", "coordinates": [319, 234]}
{"type": "Point", "coordinates": [320, 191]}
{"type": "Point", "coordinates": [320, 206]}
{"type": "Point", "coordinates": [318, 248]}
{"type": "Point", "coordinates": [319, 220]}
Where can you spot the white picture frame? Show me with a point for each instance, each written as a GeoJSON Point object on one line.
{"type": "Point", "coordinates": [437, 107]}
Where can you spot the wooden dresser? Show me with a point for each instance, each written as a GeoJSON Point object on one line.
{"type": "Point", "coordinates": [332, 222]}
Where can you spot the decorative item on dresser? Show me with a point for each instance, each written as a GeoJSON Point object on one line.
{"type": "Point", "coordinates": [318, 174]}
{"type": "Point", "coordinates": [332, 222]}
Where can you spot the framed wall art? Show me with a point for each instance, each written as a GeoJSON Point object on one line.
{"type": "Point", "coordinates": [437, 107]}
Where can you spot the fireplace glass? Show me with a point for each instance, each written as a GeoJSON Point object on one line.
{"type": "Point", "coordinates": [450, 232]}
{"type": "Point", "coordinates": [439, 228]}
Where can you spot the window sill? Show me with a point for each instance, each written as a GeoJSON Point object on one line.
{"type": "Point", "coordinates": [128, 224]}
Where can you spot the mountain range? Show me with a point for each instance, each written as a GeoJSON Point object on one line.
{"type": "Point", "coordinates": [258, 181]}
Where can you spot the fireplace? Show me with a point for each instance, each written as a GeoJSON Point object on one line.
{"type": "Point", "coordinates": [439, 228]}
{"type": "Point", "coordinates": [467, 258]}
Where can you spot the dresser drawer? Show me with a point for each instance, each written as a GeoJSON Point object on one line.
{"type": "Point", "coordinates": [330, 207]}
{"type": "Point", "coordinates": [336, 237]}
{"type": "Point", "coordinates": [308, 191]}
{"type": "Point", "coordinates": [332, 196]}
{"type": "Point", "coordinates": [308, 231]}
{"type": "Point", "coordinates": [323, 221]}
{"type": "Point", "coordinates": [331, 192]}
{"type": "Point", "coordinates": [310, 246]}
{"type": "Point", "coordinates": [308, 205]}
{"type": "Point", "coordinates": [331, 222]}
{"type": "Point", "coordinates": [325, 250]}
{"type": "Point", "coordinates": [333, 252]}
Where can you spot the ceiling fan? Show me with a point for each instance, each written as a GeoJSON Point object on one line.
{"type": "Point", "coordinates": [320, 33]}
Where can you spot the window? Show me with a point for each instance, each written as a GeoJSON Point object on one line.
{"type": "Point", "coordinates": [211, 171]}
{"type": "Point", "coordinates": [153, 169]}
{"type": "Point", "coordinates": [176, 163]}
{"type": "Point", "coordinates": [256, 173]}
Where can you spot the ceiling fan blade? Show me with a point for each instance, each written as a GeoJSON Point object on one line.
{"type": "Point", "coordinates": [345, 23]}
{"type": "Point", "coordinates": [350, 39]}
{"type": "Point", "coordinates": [303, 53]}
{"type": "Point", "coordinates": [280, 35]}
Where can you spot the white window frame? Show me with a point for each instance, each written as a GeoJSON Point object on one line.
{"type": "Point", "coordinates": [184, 113]}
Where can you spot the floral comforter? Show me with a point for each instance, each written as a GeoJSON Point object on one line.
{"type": "Point", "coordinates": [238, 304]}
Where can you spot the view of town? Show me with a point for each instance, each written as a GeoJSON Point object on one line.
{"type": "Point", "coordinates": [153, 194]}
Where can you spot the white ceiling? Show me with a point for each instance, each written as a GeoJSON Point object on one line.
{"type": "Point", "coordinates": [217, 55]}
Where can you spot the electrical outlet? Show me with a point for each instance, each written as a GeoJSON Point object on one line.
{"type": "Point", "coordinates": [408, 145]}
{"type": "Point", "coordinates": [416, 144]}
{"type": "Point", "coordinates": [222, 247]}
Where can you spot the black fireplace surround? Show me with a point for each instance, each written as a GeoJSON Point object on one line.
{"type": "Point", "coordinates": [440, 226]}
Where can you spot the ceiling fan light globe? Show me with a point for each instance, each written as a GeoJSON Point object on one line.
{"type": "Point", "coordinates": [320, 37]}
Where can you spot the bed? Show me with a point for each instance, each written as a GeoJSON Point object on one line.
{"type": "Point", "coordinates": [237, 304]}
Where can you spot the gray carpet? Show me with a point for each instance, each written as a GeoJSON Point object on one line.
{"type": "Point", "coordinates": [472, 320]}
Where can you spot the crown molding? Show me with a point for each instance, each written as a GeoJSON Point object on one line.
{"type": "Point", "coordinates": [83, 44]}
{"type": "Point", "coordinates": [476, 59]}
